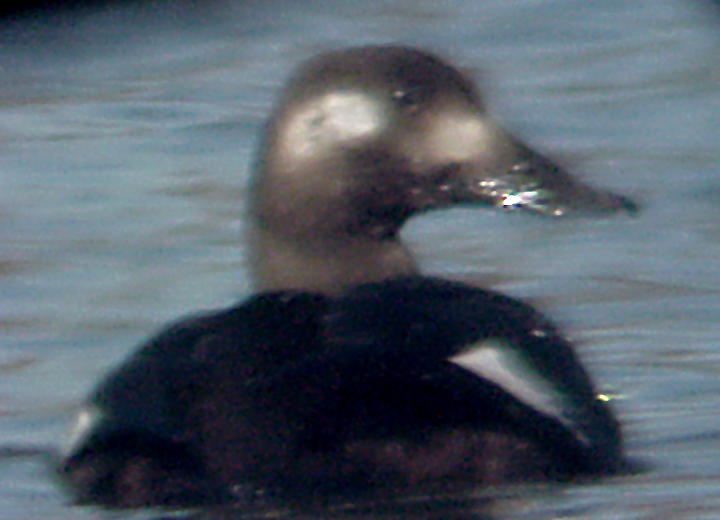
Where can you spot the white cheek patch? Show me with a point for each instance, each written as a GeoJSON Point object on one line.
{"type": "Point", "coordinates": [351, 115]}
{"type": "Point", "coordinates": [495, 360]}
{"type": "Point", "coordinates": [459, 136]}
{"type": "Point", "coordinates": [332, 119]}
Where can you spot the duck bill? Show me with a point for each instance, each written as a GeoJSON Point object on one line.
{"type": "Point", "coordinates": [531, 181]}
{"type": "Point", "coordinates": [475, 160]}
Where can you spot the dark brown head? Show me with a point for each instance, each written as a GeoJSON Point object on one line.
{"type": "Point", "coordinates": [366, 137]}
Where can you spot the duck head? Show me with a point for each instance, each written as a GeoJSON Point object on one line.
{"type": "Point", "coordinates": [363, 139]}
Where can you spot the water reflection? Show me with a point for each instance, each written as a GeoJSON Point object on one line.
{"type": "Point", "coordinates": [465, 505]}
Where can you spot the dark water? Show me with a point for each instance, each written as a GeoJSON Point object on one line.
{"type": "Point", "coordinates": [126, 136]}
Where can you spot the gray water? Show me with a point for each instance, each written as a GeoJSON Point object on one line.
{"type": "Point", "coordinates": [126, 137]}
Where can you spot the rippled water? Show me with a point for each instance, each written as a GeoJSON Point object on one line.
{"type": "Point", "coordinates": [126, 137]}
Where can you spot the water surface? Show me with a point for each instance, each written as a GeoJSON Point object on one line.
{"type": "Point", "coordinates": [126, 139]}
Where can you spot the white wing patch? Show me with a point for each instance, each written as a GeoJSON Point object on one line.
{"type": "Point", "coordinates": [497, 361]}
{"type": "Point", "coordinates": [85, 422]}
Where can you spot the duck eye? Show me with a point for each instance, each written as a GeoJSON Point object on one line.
{"type": "Point", "coordinates": [406, 98]}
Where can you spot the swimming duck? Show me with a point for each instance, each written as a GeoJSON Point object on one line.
{"type": "Point", "coordinates": [349, 370]}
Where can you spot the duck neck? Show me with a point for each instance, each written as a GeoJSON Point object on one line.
{"type": "Point", "coordinates": [325, 264]}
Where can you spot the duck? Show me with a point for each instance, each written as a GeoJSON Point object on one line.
{"type": "Point", "coordinates": [348, 371]}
